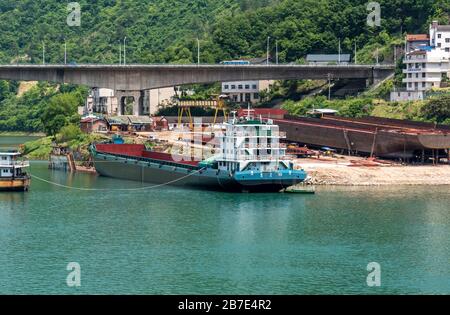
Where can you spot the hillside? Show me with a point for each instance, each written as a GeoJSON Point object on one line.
{"type": "Point", "coordinates": [165, 31]}
{"type": "Point", "coordinates": [151, 27]}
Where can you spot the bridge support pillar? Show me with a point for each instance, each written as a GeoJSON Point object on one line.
{"type": "Point", "coordinates": [135, 103]}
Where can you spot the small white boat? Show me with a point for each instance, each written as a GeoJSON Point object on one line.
{"type": "Point", "coordinates": [13, 176]}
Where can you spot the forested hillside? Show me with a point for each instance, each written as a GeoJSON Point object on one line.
{"type": "Point", "coordinates": [166, 31]}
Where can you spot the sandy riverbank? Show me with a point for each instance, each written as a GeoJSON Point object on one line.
{"type": "Point", "coordinates": [323, 173]}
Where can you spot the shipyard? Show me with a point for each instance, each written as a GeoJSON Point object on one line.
{"type": "Point", "coordinates": [333, 150]}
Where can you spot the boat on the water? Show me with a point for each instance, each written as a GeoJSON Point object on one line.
{"type": "Point", "coordinates": [13, 176]}
{"type": "Point", "coordinates": [251, 158]}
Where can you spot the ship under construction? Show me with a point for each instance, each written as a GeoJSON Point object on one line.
{"type": "Point", "coordinates": [372, 136]}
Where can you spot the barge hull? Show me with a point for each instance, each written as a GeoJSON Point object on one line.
{"type": "Point", "coordinates": [147, 171]}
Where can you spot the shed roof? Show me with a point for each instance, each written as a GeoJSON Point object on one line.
{"type": "Point", "coordinates": [139, 120]}
{"type": "Point", "coordinates": [417, 37]}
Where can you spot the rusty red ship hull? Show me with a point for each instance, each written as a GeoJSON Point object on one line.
{"type": "Point", "coordinates": [378, 136]}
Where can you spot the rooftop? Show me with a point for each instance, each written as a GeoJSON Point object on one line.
{"type": "Point", "coordinates": [10, 153]}
{"type": "Point", "coordinates": [127, 119]}
{"type": "Point", "coordinates": [323, 111]}
{"type": "Point", "coordinates": [443, 28]}
{"type": "Point", "coordinates": [417, 37]}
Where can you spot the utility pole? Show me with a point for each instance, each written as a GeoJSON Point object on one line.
{"type": "Point", "coordinates": [43, 52]}
{"type": "Point", "coordinates": [65, 52]}
{"type": "Point", "coordinates": [329, 86]}
{"type": "Point", "coordinates": [125, 51]}
{"type": "Point", "coordinates": [395, 54]}
{"type": "Point", "coordinates": [339, 51]}
{"type": "Point", "coordinates": [378, 57]}
{"type": "Point", "coordinates": [120, 52]}
{"type": "Point", "coordinates": [268, 48]}
{"type": "Point", "coordinates": [356, 53]}
{"type": "Point", "coordinates": [198, 51]}
{"type": "Point", "coordinates": [276, 48]}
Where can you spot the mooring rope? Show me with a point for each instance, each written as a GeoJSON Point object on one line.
{"type": "Point", "coordinates": [120, 189]}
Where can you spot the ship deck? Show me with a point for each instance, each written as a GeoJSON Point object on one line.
{"type": "Point", "coordinates": [139, 153]}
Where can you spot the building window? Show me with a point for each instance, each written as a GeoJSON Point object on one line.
{"type": "Point", "coordinates": [247, 87]}
{"type": "Point", "coordinates": [447, 49]}
{"type": "Point", "coordinates": [439, 35]}
{"type": "Point", "coordinates": [240, 87]}
{"type": "Point", "coordinates": [254, 86]}
{"type": "Point", "coordinates": [227, 87]}
{"type": "Point", "coordinates": [447, 40]}
{"type": "Point", "coordinates": [439, 45]}
{"type": "Point", "coordinates": [256, 96]}
{"type": "Point", "coordinates": [424, 75]}
{"type": "Point", "coordinates": [424, 84]}
{"type": "Point", "coordinates": [233, 87]}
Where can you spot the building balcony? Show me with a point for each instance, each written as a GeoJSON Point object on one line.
{"type": "Point", "coordinates": [421, 79]}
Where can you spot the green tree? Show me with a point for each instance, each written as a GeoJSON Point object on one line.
{"type": "Point", "coordinates": [60, 111]}
{"type": "Point", "coordinates": [438, 109]}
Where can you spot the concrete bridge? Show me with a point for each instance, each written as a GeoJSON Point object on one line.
{"type": "Point", "coordinates": [145, 77]}
{"type": "Point", "coordinates": [132, 80]}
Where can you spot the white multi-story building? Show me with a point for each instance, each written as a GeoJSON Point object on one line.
{"type": "Point", "coordinates": [426, 66]}
{"type": "Point", "coordinates": [245, 91]}
{"type": "Point", "coordinates": [440, 36]}
{"type": "Point", "coordinates": [425, 69]}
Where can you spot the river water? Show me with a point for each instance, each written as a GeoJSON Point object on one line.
{"type": "Point", "coordinates": [182, 241]}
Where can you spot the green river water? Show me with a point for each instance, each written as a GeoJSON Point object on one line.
{"type": "Point", "coordinates": [182, 241]}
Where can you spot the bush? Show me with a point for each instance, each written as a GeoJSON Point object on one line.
{"type": "Point", "coordinates": [68, 133]}
{"type": "Point", "coordinates": [437, 109]}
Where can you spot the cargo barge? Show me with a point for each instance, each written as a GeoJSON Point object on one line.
{"type": "Point", "coordinates": [388, 138]}
{"type": "Point", "coordinates": [251, 159]}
